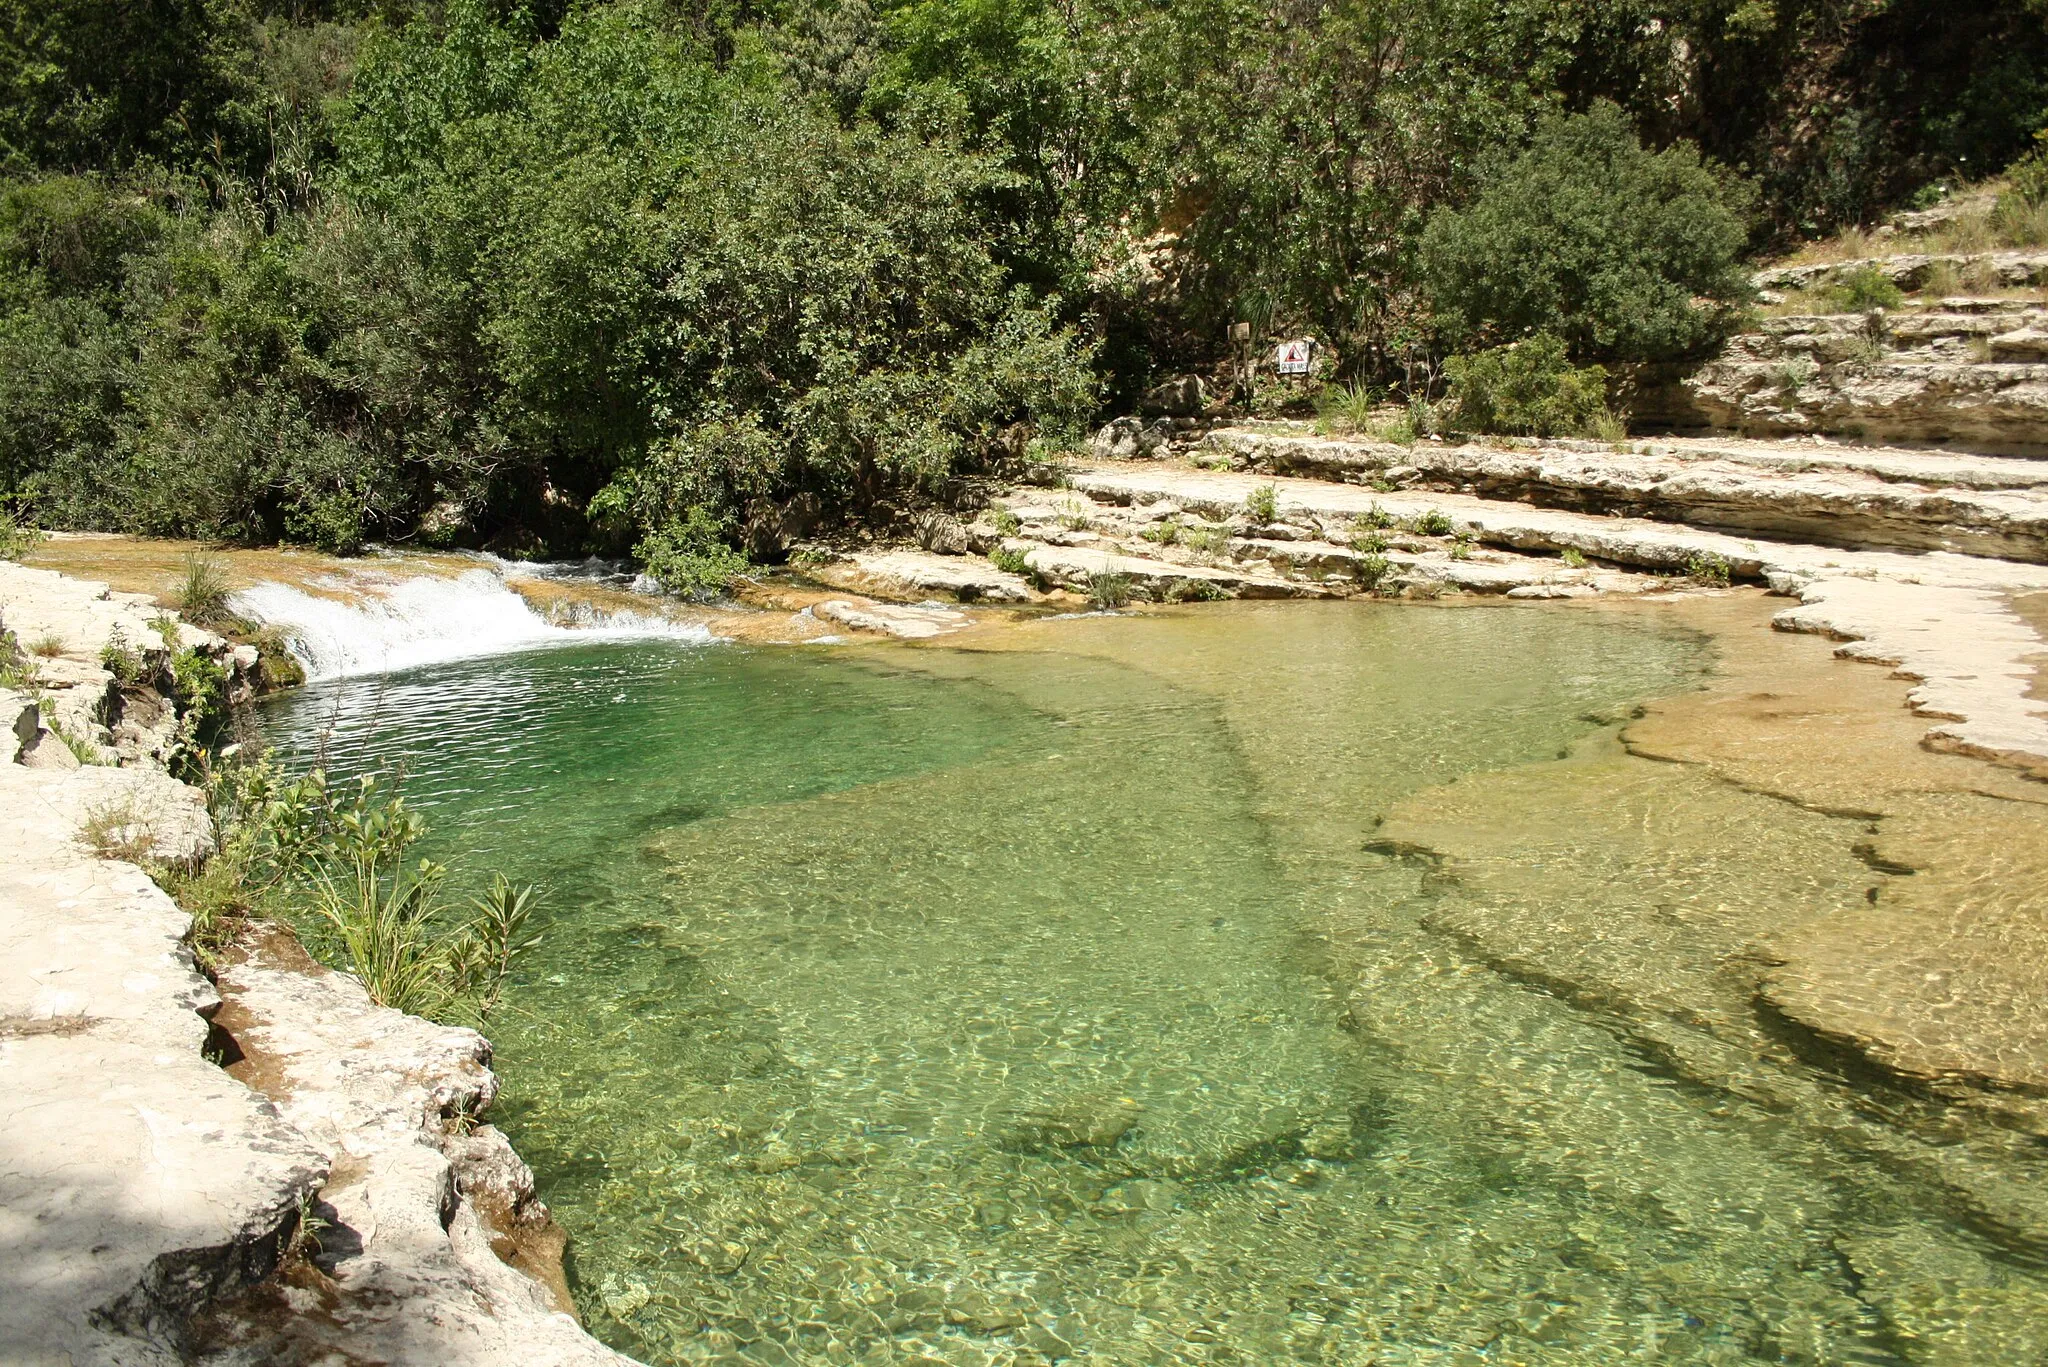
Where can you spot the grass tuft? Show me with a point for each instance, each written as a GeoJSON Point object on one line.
{"type": "Point", "coordinates": [1109, 591]}
{"type": "Point", "coordinates": [202, 593]}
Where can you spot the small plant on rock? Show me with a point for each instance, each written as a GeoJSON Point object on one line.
{"type": "Point", "coordinates": [203, 591]}
{"type": "Point", "coordinates": [810, 558]}
{"type": "Point", "coordinates": [120, 659]}
{"type": "Point", "coordinates": [1344, 408]}
{"type": "Point", "coordinates": [1194, 591]}
{"type": "Point", "coordinates": [388, 920]}
{"type": "Point", "coordinates": [1704, 567]}
{"type": "Point", "coordinates": [1608, 426]}
{"type": "Point", "coordinates": [1863, 289]}
{"type": "Point", "coordinates": [1373, 569]}
{"type": "Point", "coordinates": [1262, 505]}
{"type": "Point", "coordinates": [1574, 558]}
{"type": "Point", "coordinates": [15, 670]}
{"type": "Point", "coordinates": [116, 830]}
{"type": "Point", "coordinates": [1399, 431]}
{"type": "Point", "coordinates": [1010, 561]}
{"type": "Point", "coordinates": [1006, 522]}
{"type": "Point", "coordinates": [1109, 591]}
{"type": "Point", "coordinates": [1793, 375]}
{"type": "Point", "coordinates": [48, 647]}
{"type": "Point", "coordinates": [1435, 522]}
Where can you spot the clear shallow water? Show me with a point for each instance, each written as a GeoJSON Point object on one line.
{"type": "Point", "coordinates": [1048, 1003]}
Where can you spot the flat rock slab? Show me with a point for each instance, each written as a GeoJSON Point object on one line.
{"type": "Point", "coordinates": [1944, 980]}
{"type": "Point", "coordinates": [138, 1182]}
{"type": "Point", "coordinates": [920, 574]}
{"type": "Point", "coordinates": [1079, 567]}
{"type": "Point", "coordinates": [1973, 657]}
{"type": "Point", "coordinates": [905, 623]}
{"type": "Point", "coordinates": [138, 1186]}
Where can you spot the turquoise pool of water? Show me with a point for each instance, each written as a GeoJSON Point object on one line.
{"type": "Point", "coordinates": [1050, 1002]}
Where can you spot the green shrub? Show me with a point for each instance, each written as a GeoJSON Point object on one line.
{"type": "Point", "coordinates": [1864, 289]}
{"type": "Point", "coordinates": [1527, 389]}
{"type": "Point", "coordinates": [1373, 569]}
{"type": "Point", "coordinates": [1435, 522]}
{"type": "Point", "coordinates": [120, 659]}
{"type": "Point", "coordinates": [1588, 236]}
{"type": "Point", "coordinates": [1109, 590]}
{"type": "Point", "coordinates": [1573, 558]}
{"type": "Point", "coordinates": [16, 540]}
{"type": "Point", "coordinates": [691, 557]}
{"type": "Point", "coordinates": [199, 690]}
{"type": "Point", "coordinates": [1262, 505]}
{"type": "Point", "coordinates": [1704, 567]}
{"type": "Point", "coordinates": [1194, 591]}
{"type": "Point", "coordinates": [1010, 561]}
{"type": "Point", "coordinates": [1006, 522]}
{"type": "Point", "coordinates": [1345, 408]}
{"type": "Point", "coordinates": [2027, 178]}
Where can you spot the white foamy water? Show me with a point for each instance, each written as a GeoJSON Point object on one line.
{"type": "Point", "coordinates": [427, 619]}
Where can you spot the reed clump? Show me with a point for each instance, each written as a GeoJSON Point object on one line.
{"type": "Point", "coordinates": [339, 863]}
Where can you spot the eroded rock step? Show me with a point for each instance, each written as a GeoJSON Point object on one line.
{"type": "Point", "coordinates": [1942, 619]}
{"type": "Point", "coordinates": [1916, 501]}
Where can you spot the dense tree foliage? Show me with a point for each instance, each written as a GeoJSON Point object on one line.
{"type": "Point", "coordinates": [1624, 253]}
{"type": "Point", "coordinates": [696, 275]}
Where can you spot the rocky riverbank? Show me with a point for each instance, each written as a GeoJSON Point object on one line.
{"type": "Point", "coordinates": [265, 1167]}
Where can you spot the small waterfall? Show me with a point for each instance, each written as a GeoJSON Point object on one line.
{"type": "Point", "coordinates": [393, 624]}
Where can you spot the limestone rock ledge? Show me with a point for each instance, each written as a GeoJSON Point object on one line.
{"type": "Point", "coordinates": [428, 1217]}
{"type": "Point", "coordinates": [149, 1197]}
{"type": "Point", "coordinates": [138, 1182]}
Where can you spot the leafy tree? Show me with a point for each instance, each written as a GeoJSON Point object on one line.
{"type": "Point", "coordinates": [90, 84]}
{"type": "Point", "coordinates": [1588, 235]}
{"type": "Point", "coordinates": [694, 291]}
